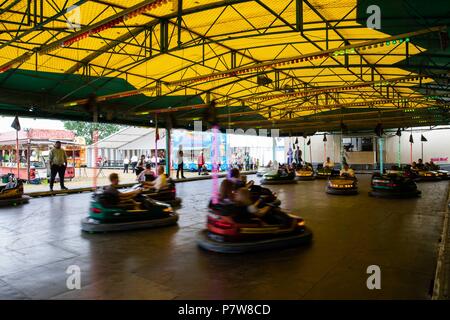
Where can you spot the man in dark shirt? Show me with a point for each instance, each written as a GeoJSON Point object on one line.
{"type": "Point", "coordinates": [117, 198]}
{"type": "Point", "coordinates": [420, 165]}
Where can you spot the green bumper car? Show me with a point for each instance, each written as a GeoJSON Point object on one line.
{"type": "Point", "coordinates": [106, 218]}
{"type": "Point", "coordinates": [167, 195]}
{"type": "Point", "coordinates": [278, 177]}
{"type": "Point", "coordinates": [393, 186]}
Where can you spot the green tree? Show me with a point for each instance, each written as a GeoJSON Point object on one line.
{"type": "Point", "coordinates": [86, 129]}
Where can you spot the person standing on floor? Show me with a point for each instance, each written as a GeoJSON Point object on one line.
{"type": "Point", "coordinates": [289, 156]}
{"type": "Point", "coordinates": [247, 161]}
{"type": "Point", "coordinates": [134, 161]}
{"type": "Point", "coordinates": [200, 162]}
{"type": "Point", "coordinates": [58, 164]}
{"type": "Point", "coordinates": [126, 164]}
{"type": "Point", "coordinates": [298, 156]}
{"type": "Point", "coordinates": [180, 161]}
{"type": "Point", "coordinates": [6, 157]}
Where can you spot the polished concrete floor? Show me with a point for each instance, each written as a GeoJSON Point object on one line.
{"type": "Point", "coordinates": [39, 241]}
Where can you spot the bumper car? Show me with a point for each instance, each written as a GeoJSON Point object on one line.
{"type": "Point", "coordinates": [229, 233]}
{"type": "Point", "coordinates": [325, 173]}
{"type": "Point", "coordinates": [105, 218]}
{"type": "Point", "coordinates": [265, 194]}
{"type": "Point", "coordinates": [404, 171]}
{"type": "Point", "coordinates": [425, 176]}
{"type": "Point", "coordinates": [443, 174]}
{"type": "Point", "coordinates": [11, 194]}
{"type": "Point", "coordinates": [304, 174]}
{"type": "Point", "coordinates": [393, 186]}
{"type": "Point", "coordinates": [398, 172]}
{"type": "Point", "coordinates": [278, 177]}
{"type": "Point", "coordinates": [167, 195]}
{"type": "Point", "coordinates": [262, 171]}
{"type": "Point", "coordinates": [342, 185]}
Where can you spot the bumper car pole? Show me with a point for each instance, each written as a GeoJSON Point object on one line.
{"type": "Point", "coordinates": [215, 169]}
{"type": "Point", "coordinates": [17, 147]}
{"type": "Point", "coordinates": [421, 144]}
{"type": "Point", "coordinates": [310, 151]}
{"type": "Point", "coordinates": [380, 144]}
{"type": "Point", "coordinates": [274, 144]}
{"type": "Point", "coordinates": [156, 143]}
{"type": "Point", "coordinates": [411, 141]}
{"type": "Point", "coordinates": [304, 148]}
{"type": "Point", "coordinates": [167, 155]}
{"type": "Point", "coordinates": [95, 141]}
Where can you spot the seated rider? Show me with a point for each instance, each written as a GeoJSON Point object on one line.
{"type": "Point", "coordinates": [414, 166]}
{"type": "Point", "coordinates": [226, 192]}
{"type": "Point", "coordinates": [238, 180]}
{"type": "Point", "coordinates": [120, 199]}
{"type": "Point", "coordinates": [420, 164]}
{"type": "Point", "coordinates": [433, 166]}
{"type": "Point", "coordinates": [147, 174]}
{"type": "Point", "coordinates": [247, 184]}
{"type": "Point", "coordinates": [286, 169]}
{"type": "Point", "coordinates": [347, 171]}
{"type": "Point", "coordinates": [160, 182]}
{"type": "Point", "coordinates": [11, 183]}
{"type": "Point", "coordinates": [247, 208]}
{"type": "Point", "coordinates": [328, 164]}
{"type": "Point", "coordinates": [308, 166]}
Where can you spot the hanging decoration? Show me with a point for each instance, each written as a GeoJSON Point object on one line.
{"type": "Point", "coordinates": [355, 86]}
{"type": "Point", "coordinates": [411, 142]}
{"type": "Point", "coordinates": [399, 155]}
{"type": "Point", "coordinates": [105, 26]}
{"type": "Point", "coordinates": [422, 140]}
{"type": "Point", "coordinates": [16, 62]}
{"type": "Point", "coordinates": [349, 49]}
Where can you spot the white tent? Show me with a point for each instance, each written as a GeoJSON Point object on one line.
{"type": "Point", "coordinates": [126, 143]}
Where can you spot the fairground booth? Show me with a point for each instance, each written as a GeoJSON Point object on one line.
{"type": "Point", "coordinates": [34, 147]}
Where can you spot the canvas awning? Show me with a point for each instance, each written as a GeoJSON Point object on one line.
{"type": "Point", "coordinates": [300, 66]}
{"type": "Point", "coordinates": [132, 138]}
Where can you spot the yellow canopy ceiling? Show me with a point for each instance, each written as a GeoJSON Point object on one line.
{"type": "Point", "coordinates": [164, 45]}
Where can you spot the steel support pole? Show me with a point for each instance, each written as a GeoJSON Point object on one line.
{"type": "Point", "coordinates": [381, 160]}
{"type": "Point", "coordinates": [168, 153]}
